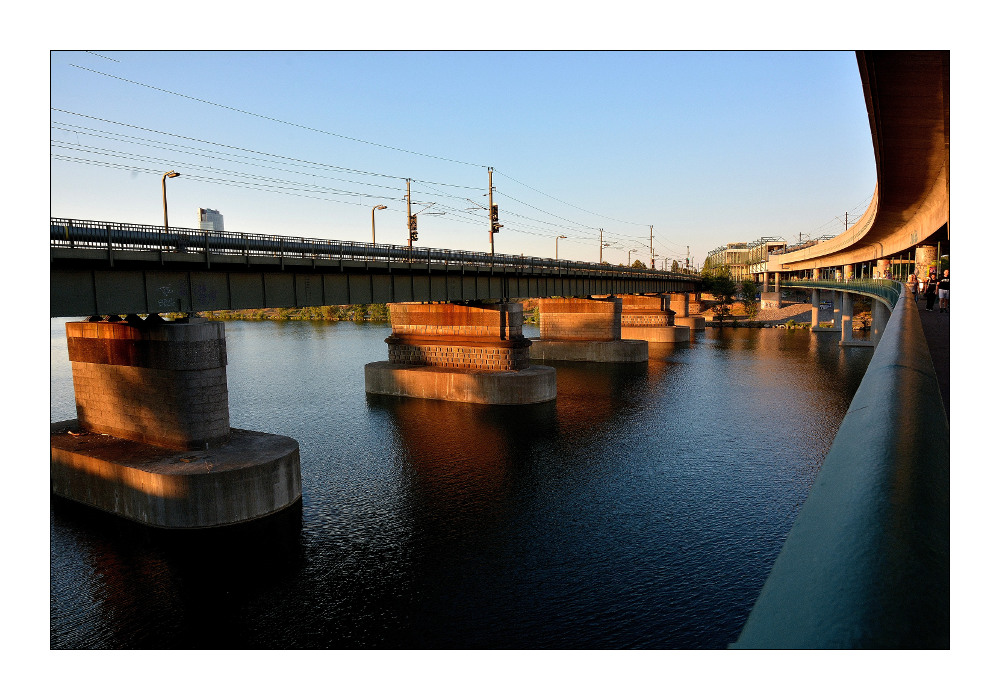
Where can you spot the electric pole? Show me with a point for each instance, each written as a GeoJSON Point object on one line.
{"type": "Point", "coordinates": [601, 254]}
{"type": "Point", "coordinates": [652, 258]}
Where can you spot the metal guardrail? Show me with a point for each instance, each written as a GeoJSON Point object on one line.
{"type": "Point", "coordinates": [889, 290]}
{"type": "Point", "coordinates": [115, 236]}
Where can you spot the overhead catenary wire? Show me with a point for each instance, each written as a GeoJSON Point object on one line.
{"type": "Point", "coordinates": [275, 119]}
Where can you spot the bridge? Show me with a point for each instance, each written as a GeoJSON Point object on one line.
{"type": "Point", "coordinates": [150, 390]}
{"type": "Point", "coordinates": [103, 268]}
{"type": "Point", "coordinates": [866, 564]}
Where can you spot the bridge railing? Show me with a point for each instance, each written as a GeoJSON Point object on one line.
{"type": "Point", "coordinates": [112, 236]}
{"type": "Point", "coordinates": [889, 290]}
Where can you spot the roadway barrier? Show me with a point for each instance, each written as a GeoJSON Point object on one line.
{"type": "Point", "coordinates": [114, 236]}
{"type": "Point", "coordinates": [866, 564]}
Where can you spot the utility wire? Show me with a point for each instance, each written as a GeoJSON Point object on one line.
{"type": "Point", "coordinates": [274, 119]}
{"type": "Point", "coordinates": [262, 153]}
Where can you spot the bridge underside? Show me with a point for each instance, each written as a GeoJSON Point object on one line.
{"type": "Point", "coordinates": [907, 94]}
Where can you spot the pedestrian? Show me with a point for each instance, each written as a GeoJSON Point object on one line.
{"type": "Point", "coordinates": [911, 286]}
{"type": "Point", "coordinates": [943, 292]}
{"type": "Point", "coordinates": [930, 291]}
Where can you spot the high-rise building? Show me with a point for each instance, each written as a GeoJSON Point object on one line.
{"type": "Point", "coordinates": [209, 220]}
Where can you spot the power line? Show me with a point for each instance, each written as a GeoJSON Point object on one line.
{"type": "Point", "coordinates": [248, 150]}
{"type": "Point", "coordinates": [274, 119]}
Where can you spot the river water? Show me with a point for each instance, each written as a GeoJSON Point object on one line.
{"type": "Point", "coordinates": [643, 508]}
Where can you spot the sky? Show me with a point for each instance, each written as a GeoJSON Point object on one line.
{"type": "Point", "coordinates": [708, 147]}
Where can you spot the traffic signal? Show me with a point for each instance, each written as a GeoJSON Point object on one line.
{"type": "Point", "coordinates": [495, 224]}
{"type": "Point", "coordinates": [413, 227]}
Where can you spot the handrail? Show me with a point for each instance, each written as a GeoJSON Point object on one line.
{"type": "Point", "coordinates": [83, 234]}
{"type": "Point", "coordinates": [866, 564]}
{"type": "Point", "coordinates": [888, 290]}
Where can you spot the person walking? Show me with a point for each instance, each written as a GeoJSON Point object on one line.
{"type": "Point", "coordinates": [943, 292]}
{"type": "Point", "coordinates": [930, 291]}
{"type": "Point", "coordinates": [911, 286]}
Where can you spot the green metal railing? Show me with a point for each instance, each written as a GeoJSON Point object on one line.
{"type": "Point", "coordinates": [889, 290]}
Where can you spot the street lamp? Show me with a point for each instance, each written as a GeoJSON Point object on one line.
{"type": "Point", "coordinates": [163, 184]}
{"type": "Point", "coordinates": [630, 257]}
{"type": "Point", "coordinates": [377, 206]}
{"type": "Point", "coordinates": [557, 246]}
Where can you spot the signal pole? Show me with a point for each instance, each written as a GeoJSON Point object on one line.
{"type": "Point", "coordinates": [601, 258]}
{"type": "Point", "coordinates": [495, 225]}
{"type": "Point", "coordinates": [409, 217]}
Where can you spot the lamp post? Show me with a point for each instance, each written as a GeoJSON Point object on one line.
{"type": "Point", "coordinates": [163, 185]}
{"type": "Point", "coordinates": [557, 246]}
{"type": "Point", "coordinates": [630, 257]}
{"type": "Point", "coordinates": [377, 206]}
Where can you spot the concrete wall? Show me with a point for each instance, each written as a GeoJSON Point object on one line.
{"type": "Point", "coordinates": [162, 384]}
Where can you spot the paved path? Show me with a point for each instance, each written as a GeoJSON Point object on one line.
{"type": "Point", "coordinates": [937, 330]}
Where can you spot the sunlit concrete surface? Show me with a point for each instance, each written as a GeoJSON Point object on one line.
{"type": "Point", "coordinates": [251, 476]}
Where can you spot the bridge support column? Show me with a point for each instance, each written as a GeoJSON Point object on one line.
{"type": "Point", "coordinates": [924, 257]}
{"type": "Point", "coordinates": [815, 274]}
{"type": "Point", "coordinates": [770, 300]}
{"type": "Point", "coordinates": [649, 318]}
{"type": "Point", "coordinates": [474, 353]}
{"type": "Point", "coordinates": [681, 304]}
{"type": "Point", "coordinates": [815, 309]}
{"type": "Point", "coordinates": [880, 319]}
{"type": "Point", "coordinates": [847, 322]}
{"type": "Point", "coordinates": [585, 330]}
{"type": "Point", "coordinates": [884, 266]}
{"type": "Point", "coordinates": [848, 272]}
{"type": "Point", "coordinates": [152, 440]}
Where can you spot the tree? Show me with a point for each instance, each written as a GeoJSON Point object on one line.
{"type": "Point", "coordinates": [638, 264]}
{"type": "Point", "coordinates": [675, 266]}
{"type": "Point", "coordinates": [748, 294]}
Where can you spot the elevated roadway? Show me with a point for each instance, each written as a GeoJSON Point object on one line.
{"type": "Point", "coordinates": [907, 96]}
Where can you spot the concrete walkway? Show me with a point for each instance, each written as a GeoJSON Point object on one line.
{"type": "Point", "coordinates": [937, 330]}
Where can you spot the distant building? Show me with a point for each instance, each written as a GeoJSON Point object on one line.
{"type": "Point", "coordinates": [210, 220]}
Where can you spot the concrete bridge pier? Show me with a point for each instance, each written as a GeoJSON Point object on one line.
{"type": "Point", "coordinates": [585, 330]}
{"type": "Point", "coordinates": [815, 310]}
{"type": "Point", "coordinates": [152, 440]}
{"type": "Point", "coordinates": [923, 258]}
{"type": "Point", "coordinates": [474, 353]}
{"type": "Point", "coordinates": [770, 300]}
{"type": "Point", "coordinates": [650, 318]}
{"type": "Point", "coordinates": [847, 322]}
{"type": "Point", "coordinates": [681, 304]}
{"type": "Point", "coordinates": [880, 319]}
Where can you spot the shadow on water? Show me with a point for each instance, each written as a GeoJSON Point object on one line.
{"type": "Point", "coordinates": [180, 589]}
